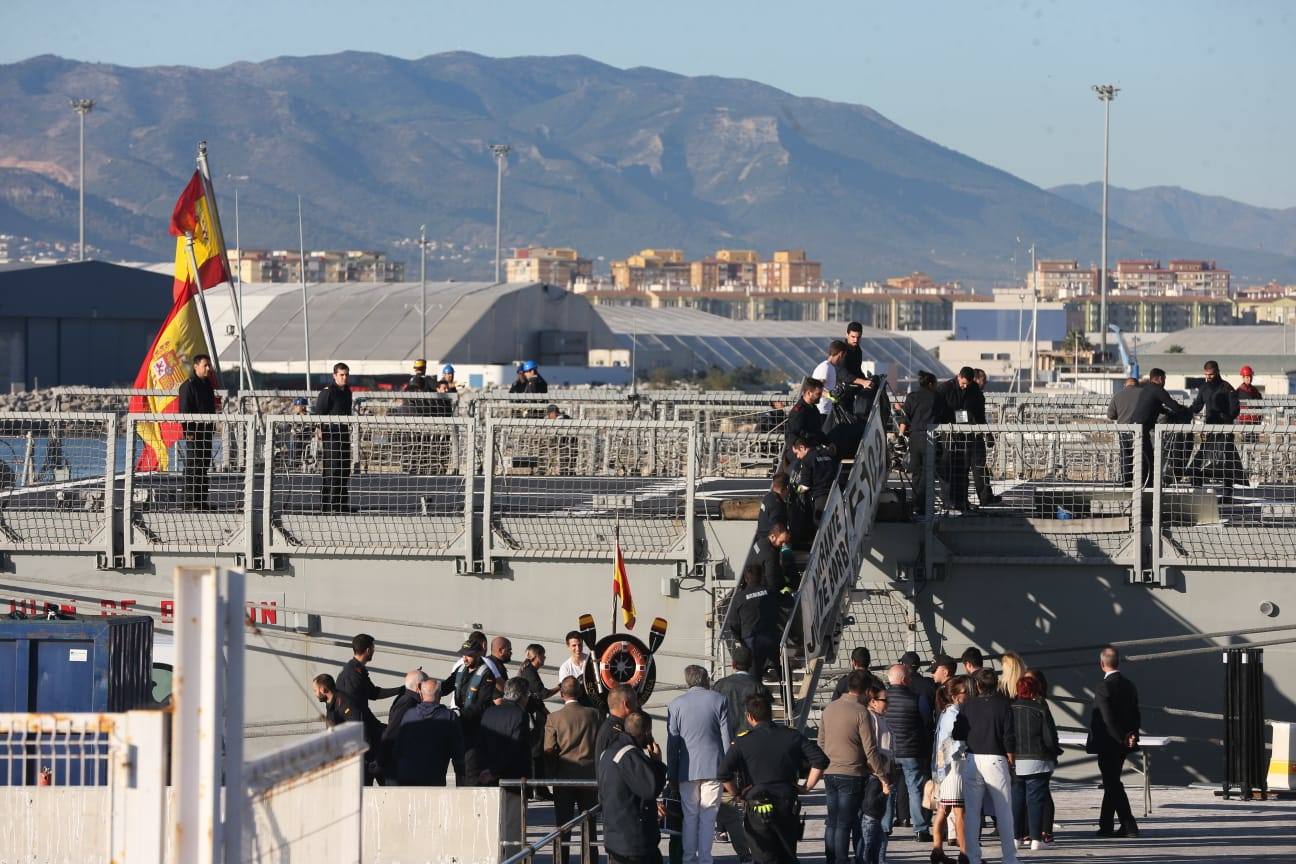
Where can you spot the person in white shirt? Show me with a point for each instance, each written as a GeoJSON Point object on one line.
{"type": "Point", "coordinates": [832, 373]}
{"type": "Point", "coordinates": [576, 663]}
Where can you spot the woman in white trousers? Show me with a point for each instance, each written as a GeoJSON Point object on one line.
{"type": "Point", "coordinates": [986, 725]}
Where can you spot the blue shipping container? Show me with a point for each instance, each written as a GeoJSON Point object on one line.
{"type": "Point", "coordinates": [73, 665]}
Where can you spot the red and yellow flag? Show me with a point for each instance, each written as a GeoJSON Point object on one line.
{"type": "Point", "coordinates": [192, 214]}
{"type": "Point", "coordinates": [621, 590]}
{"type": "Point", "coordinates": [165, 367]}
{"type": "Point", "coordinates": [170, 357]}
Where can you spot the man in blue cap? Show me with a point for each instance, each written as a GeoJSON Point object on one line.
{"type": "Point", "coordinates": [447, 377]}
{"type": "Point", "coordinates": [529, 379]}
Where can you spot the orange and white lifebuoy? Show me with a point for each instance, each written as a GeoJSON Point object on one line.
{"type": "Point", "coordinates": [617, 660]}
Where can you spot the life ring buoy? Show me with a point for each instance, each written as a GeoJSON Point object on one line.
{"type": "Point", "coordinates": [623, 662]}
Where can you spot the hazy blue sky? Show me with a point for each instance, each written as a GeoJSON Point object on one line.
{"type": "Point", "coordinates": [1208, 99]}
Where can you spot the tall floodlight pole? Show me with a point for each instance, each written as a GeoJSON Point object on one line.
{"type": "Point", "coordinates": [423, 292]}
{"type": "Point", "coordinates": [1034, 279]}
{"type": "Point", "coordinates": [1106, 93]}
{"type": "Point", "coordinates": [82, 107]}
{"type": "Point", "coordinates": [501, 152]}
{"type": "Point", "coordinates": [301, 251]}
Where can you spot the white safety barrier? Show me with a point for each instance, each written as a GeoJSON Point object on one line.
{"type": "Point", "coordinates": [1282, 758]}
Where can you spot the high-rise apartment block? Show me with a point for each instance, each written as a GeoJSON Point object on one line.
{"type": "Point", "coordinates": [284, 265]}
{"type": "Point", "coordinates": [1140, 277]}
{"type": "Point", "coordinates": [552, 265]}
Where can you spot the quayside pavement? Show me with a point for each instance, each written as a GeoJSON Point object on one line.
{"type": "Point", "coordinates": [1187, 826]}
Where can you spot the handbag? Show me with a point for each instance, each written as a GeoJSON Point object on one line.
{"type": "Point", "coordinates": [931, 795]}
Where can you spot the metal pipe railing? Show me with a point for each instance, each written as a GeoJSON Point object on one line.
{"type": "Point", "coordinates": [585, 819]}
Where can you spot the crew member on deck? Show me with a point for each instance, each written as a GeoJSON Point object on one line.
{"type": "Point", "coordinates": [335, 401]}
{"type": "Point", "coordinates": [197, 396]}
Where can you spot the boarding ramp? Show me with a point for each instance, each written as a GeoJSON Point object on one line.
{"type": "Point", "coordinates": [56, 481]}
{"type": "Point", "coordinates": [836, 558]}
{"type": "Point", "coordinates": [197, 497]}
{"type": "Point", "coordinates": [1069, 494]}
{"type": "Point", "coordinates": [1224, 497]}
{"type": "Point", "coordinates": [567, 489]}
{"type": "Point", "coordinates": [408, 482]}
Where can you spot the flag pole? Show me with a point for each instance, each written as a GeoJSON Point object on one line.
{"type": "Point", "coordinates": [245, 357]}
{"type": "Point", "coordinates": [301, 249]}
{"type": "Point", "coordinates": [616, 559]}
{"type": "Point", "coordinates": [202, 304]}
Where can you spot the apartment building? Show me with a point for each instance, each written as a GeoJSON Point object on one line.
{"type": "Point", "coordinates": [560, 266]}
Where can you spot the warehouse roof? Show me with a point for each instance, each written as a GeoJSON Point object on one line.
{"type": "Point", "coordinates": [690, 337]}
{"type": "Point", "coordinates": [1269, 349]}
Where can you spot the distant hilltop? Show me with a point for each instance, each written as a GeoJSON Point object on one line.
{"type": "Point", "coordinates": [603, 159]}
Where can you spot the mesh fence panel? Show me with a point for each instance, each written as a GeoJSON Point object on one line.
{"type": "Point", "coordinates": [189, 480]}
{"type": "Point", "coordinates": [55, 479]}
{"type": "Point", "coordinates": [876, 619]}
{"type": "Point", "coordinates": [57, 749]}
{"type": "Point", "coordinates": [368, 485]}
{"type": "Point", "coordinates": [565, 487]}
{"type": "Point", "coordinates": [1060, 492]}
{"type": "Point", "coordinates": [1227, 496]}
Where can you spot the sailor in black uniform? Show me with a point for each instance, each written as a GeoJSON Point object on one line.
{"type": "Point", "coordinates": [770, 759]}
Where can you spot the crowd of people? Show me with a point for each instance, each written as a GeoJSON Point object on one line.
{"type": "Point", "coordinates": [936, 755]}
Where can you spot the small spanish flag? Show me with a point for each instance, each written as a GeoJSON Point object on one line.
{"type": "Point", "coordinates": [192, 215]}
{"type": "Point", "coordinates": [621, 590]}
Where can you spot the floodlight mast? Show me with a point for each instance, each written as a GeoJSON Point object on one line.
{"type": "Point", "coordinates": [1106, 93]}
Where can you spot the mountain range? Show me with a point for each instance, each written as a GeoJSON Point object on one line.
{"type": "Point", "coordinates": [604, 159]}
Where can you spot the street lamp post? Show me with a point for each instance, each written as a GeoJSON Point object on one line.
{"type": "Point", "coordinates": [501, 152]}
{"type": "Point", "coordinates": [1106, 93]}
{"type": "Point", "coordinates": [82, 107]}
{"type": "Point", "coordinates": [423, 292]}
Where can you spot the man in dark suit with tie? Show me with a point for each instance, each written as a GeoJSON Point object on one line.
{"type": "Point", "coordinates": [1114, 734]}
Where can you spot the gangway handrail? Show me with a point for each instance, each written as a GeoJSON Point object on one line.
{"type": "Point", "coordinates": [797, 718]}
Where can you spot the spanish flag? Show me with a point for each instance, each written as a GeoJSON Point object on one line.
{"type": "Point", "coordinates": [192, 215]}
{"type": "Point", "coordinates": [621, 590]}
{"type": "Point", "coordinates": [169, 359]}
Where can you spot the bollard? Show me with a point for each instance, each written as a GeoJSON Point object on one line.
{"type": "Point", "coordinates": [1282, 768]}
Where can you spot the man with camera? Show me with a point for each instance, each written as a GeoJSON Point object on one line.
{"type": "Point", "coordinates": [630, 777]}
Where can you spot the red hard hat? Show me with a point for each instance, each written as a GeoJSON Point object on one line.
{"type": "Point", "coordinates": [1246, 371]}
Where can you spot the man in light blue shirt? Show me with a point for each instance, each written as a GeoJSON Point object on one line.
{"type": "Point", "coordinates": [697, 728]}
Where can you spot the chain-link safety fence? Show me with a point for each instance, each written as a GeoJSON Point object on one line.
{"type": "Point", "coordinates": [368, 486]}
{"type": "Point", "coordinates": [569, 488]}
{"type": "Point", "coordinates": [56, 481]}
{"type": "Point", "coordinates": [1040, 491]}
{"type": "Point", "coordinates": [189, 484]}
{"type": "Point", "coordinates": [1226, 496]}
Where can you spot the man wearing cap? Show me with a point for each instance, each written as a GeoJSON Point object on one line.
{"type": "Point", "coordinates": [447, 376]}
{"type": "Point", "coordinates": [474, 688]}
{"type": "Point", "coordinates": [529, 379]}
{"type": "Point", "coordinates": [924, 687]}
{"type": "Point", "coordinates": [943, 668]}
{"type": "Point", "coordinates": [418, 382]}
{"type": "Point", "coordinates": [1247, 390]}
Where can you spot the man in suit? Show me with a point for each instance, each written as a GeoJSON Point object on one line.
{"type": "Point", "coordinates": [569, 740]}
{"type": "Point", "coordinates": [407, 699]}
{"type": "Point", "coordinates": [697, 729]}
{"type": "Point", "coordinates": [530, 671]}
{"type": "Point", "coordinates": [504, 745]}
{"type": "Point", "coordinates": [1152, 403]}
{"type": "Point", "coordinates": [1113, 734]}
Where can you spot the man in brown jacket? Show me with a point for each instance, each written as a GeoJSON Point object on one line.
{"type": "Point", "coordinates": [569, 735]}
{"type": "Point", "coordinates": [854, 758]}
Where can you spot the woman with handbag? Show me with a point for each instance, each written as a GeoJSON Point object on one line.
{"type": "Point", "coordinates": [947, 771]}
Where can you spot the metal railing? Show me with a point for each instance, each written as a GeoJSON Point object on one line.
{"type": "Point", "coordinates": [557, 838]}
{"type": "Point", "coordinates": [56, 481]}
{"type": "Point", "coordinates": [836, 557]}
{"type": "Point", "coordinates": [58, 749]}
{"type": "Point", "coordinates": [1045, 492]}
{"type": "Point", "coordinates": [567, 488]}
{"type": "Point", "coordinates": [368, 486]}
{"type": "Point", "coordinates": [197, 497]}
{"type": "Point", "coordinates": [1224, 496]}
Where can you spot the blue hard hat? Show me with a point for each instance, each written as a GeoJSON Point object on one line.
{"type": "Point", "coordinates": [300, 401]}
{"type": "Point", "coordinates": [447, 369]}
{"type": "Point", "coordinates": [528, 365]}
